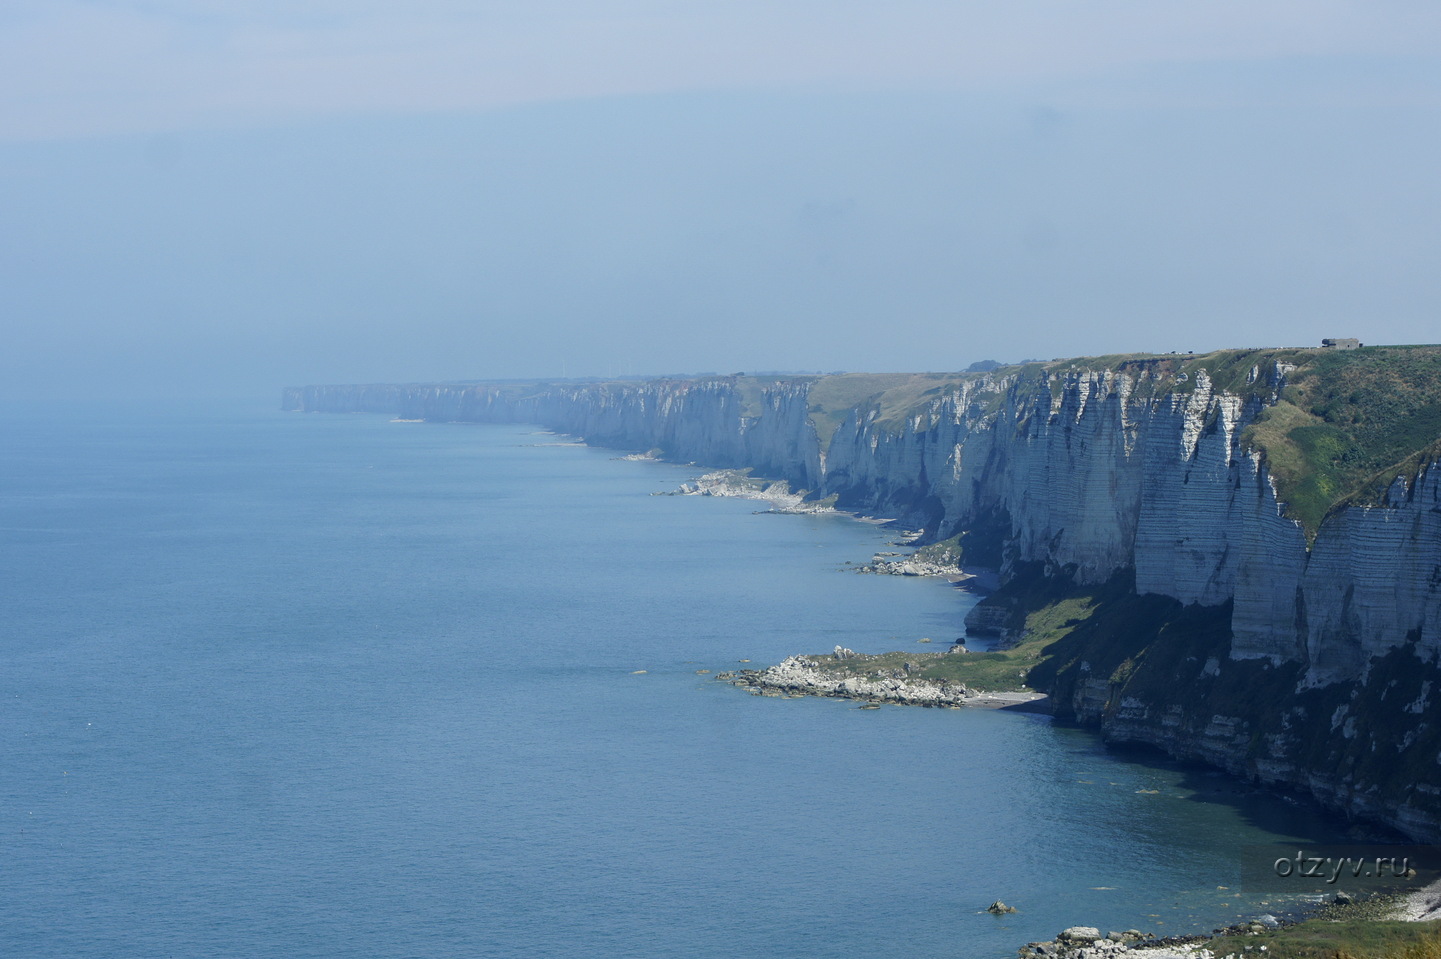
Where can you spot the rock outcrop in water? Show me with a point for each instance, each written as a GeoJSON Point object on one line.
{"type": "Point", "coordinates": [1302, 641]}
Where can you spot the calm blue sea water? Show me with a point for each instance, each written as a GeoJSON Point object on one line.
{"type": "Point", "coordinates": [287, 685]}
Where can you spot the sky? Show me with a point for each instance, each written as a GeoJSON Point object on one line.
{"type": "Point", "coordinates": [205, 198]}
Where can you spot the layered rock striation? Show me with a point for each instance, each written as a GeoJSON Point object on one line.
{"type": "Point", "coordinates": [1136, 470]}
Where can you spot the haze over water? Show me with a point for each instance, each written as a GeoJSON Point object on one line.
{"type": "Point", "coordinates": [322, 686]}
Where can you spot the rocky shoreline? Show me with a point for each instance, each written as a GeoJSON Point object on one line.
{"type": "Point", "coordinates": [1088, 942]}
{"type": "Point", "coordinates": [803, 676]}
{"type": "Point", "coordinates": [932, 559]}
{"type": "Point", "coordinates": [912, 566]}
{"type": "Point", "coordinates": [741, 485]}
{"type": "Point", "coordinates": [1244, 939]}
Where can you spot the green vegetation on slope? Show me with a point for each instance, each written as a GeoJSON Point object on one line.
{"type": "Point", "coordinates": [752, 389]}
{"type": "Point", "coordinates": [1326, 938]}
{"type": "Point", "coordinates": [1059, 623]}
{"type": "Point", "coordinates": [1067, 633]}
{"type": "Point", "coordinates": [832, 398]}
{"type": "Point", "coordinates": [1094, 648]}
{"type": "Point", "coordinates": [1348, 423]}
{"type": "Point", "coordinates": [1345, 425]}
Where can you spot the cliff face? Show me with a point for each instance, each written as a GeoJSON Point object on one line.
{"type": "Point", "coordinates": [1310, 667]}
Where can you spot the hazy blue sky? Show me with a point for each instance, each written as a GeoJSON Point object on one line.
{"type": "Point", "coordinates": [224, 197]}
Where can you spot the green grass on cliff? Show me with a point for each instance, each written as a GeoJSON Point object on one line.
{"type": "Point", "coordinates": [1325, 938]}
{"type": "Point", "coordinates": [893, 396]}
{"type": "Point", "coordinates": [1061, 610]}
{"type": "Point", "coordinates": [1065, 629]}
{"type": "Point", "coordinates": [1346, 424]}
{"type": "Point", "coordinates": [1108, 646]}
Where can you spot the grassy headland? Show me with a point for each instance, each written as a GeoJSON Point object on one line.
{"type": "Point", "coordinates": [1064, 630]}
{"type": "Point", "coordinates": [1325, 938]}
{"type": "Point", "coordinates": [1344, 425]}
{"type": "Point", "coordinates": [1348, 423]}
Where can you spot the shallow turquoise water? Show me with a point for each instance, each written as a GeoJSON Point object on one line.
{"type": "Point", "coordinates": [286, 685]}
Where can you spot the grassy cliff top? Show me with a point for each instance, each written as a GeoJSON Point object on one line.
{"type": "Point", "coordinates": [893, 394]}
{"type": "Point", "coordinates": [1346, 423]}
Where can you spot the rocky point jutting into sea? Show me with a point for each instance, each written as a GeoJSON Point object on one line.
{"type": "Point", "coordinates": [1235, 557]}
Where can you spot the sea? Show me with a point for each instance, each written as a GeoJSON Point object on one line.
{"type": "Point", "coordinates": [307, 685]}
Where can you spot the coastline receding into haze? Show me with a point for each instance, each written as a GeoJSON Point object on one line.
{"type": "Point", "coordinates": [1036, 291]}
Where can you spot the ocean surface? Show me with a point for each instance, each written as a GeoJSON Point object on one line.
{"type": "Point", "coordinates": [284, 685]}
